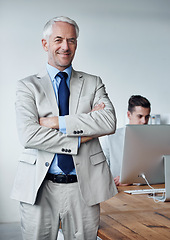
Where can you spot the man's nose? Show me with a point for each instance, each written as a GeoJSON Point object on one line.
{"type": "Point", "coordinates": [143, 120]}
{"type": "Point", "coordinates": [65, 45]}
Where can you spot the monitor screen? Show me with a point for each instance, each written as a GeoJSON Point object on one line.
{"type": "Point", "coordinates": [144, 147]}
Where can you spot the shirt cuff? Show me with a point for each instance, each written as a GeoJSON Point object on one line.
{"type": "Point", "coordinates": [62, 124]}
{"type": "Point", "coordinates": [79, 141]}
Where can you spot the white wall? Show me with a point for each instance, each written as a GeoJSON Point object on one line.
{"type": "Point", "coordinates": [126, 42]}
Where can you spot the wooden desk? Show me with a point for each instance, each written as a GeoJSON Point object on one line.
{"type": "Point", "coordinates": [136, 217]}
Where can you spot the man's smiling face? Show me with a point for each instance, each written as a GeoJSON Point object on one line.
{"type": "Point", "coordinates": [61, 45]}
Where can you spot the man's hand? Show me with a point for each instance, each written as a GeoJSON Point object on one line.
{"type": "Point", "coordinates": [118, 183]}
{"type": "Point", "coordinates": [98, 107]}
{"type": "Point", "coordinates": [85, 139]}
{"type": "Point", "coordinates": [50, 122]}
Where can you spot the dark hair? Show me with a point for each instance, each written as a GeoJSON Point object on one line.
{"type": "Point", "coordinates": [137, 100]}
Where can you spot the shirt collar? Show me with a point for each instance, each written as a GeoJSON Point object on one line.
{"type": "Point", "coordinates": [52, 71]}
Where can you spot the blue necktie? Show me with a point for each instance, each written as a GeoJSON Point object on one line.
{"type": "Point", "coordinates": [65, 162]}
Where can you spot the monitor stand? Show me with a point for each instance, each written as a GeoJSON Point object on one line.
{"type": "Point", "coordinates": [166, 196]}
{"type": "Point", "coordinates": [166, 159]}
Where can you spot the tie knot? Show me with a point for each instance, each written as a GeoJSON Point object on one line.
{"type": "Point", "coordinates": [62, 75]}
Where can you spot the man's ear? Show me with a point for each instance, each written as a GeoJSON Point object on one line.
{"type": "Point", "coordinates": [129, 114]}
{"type": "Point", "coordinates": [45, 44]}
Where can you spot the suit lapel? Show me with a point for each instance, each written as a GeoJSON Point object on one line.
{"type": "Point", "coordinates": [46, 83]}
{"type": "Point", "coordinates": [76, 84]}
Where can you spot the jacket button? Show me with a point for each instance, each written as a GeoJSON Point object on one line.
{"type": "Point", "coordinates": [47, 164]}
{"type": "Point", "coordinates": [75, 132]}
{"type": "Point", "coordinates": [69, 150]}
{"type": "Point", "coordinates": [63, 150]}
{"type": "Point", "coordinates": [81, 131]}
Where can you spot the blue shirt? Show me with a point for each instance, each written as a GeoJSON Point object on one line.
{"type": "Point", "coordinates": [52, 71]}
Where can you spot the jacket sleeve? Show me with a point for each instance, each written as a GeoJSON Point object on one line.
{"type": "Point", "coordinates": [96, 123]}
{"type": "Point", "coordinates": [31, 133]}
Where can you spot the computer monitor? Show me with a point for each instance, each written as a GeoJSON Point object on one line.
{"type": "Point", "coordinates": [144, 147]}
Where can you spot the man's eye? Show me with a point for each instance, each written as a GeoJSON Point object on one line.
{"type": "Point", "coordinates": [72, 41]}
{"type": "Point", "coordinates": [58, 40]}
{"type": "Point", "coordinates": [139, 116]}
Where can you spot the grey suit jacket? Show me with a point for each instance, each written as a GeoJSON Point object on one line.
{"type": "Point", "coordinates": [35, 98]}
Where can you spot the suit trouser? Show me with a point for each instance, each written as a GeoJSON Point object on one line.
{"type": "Point", "coordinates": [59, 202]}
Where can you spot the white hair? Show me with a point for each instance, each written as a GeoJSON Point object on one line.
{"type": "Point", "coordinates": [48, 26]}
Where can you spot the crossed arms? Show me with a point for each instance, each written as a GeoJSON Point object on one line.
{"type": "Point", "coordinates": [39, 132]}
{"type": "Point", "coordinates": [53, 122]}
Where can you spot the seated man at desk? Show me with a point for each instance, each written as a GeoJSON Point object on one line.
{"type": "Point", "coordinates": [138, 113]}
